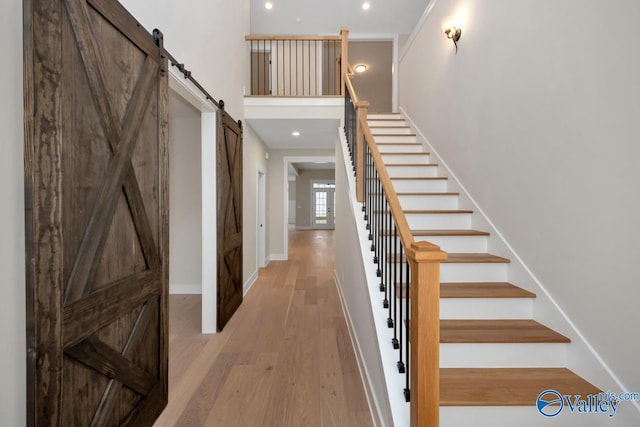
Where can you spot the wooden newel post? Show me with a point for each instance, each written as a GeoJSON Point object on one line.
{"type": "Point", "coordinates": [425, 259]}
{"type": "Point", "coordinates": [344, 57]}
{"type": "Point", "coordinates": [362, 108]}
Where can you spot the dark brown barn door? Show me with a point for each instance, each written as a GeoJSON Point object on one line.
{"type": "Point", "coordinates": [96, 171]}
{"type": "Point", "coordinates": [229, 217]}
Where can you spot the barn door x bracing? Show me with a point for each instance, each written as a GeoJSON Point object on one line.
{"type": "Point", "coordinates": [96, 171]}
{"type": "Point", "coordinates": [229, 174]}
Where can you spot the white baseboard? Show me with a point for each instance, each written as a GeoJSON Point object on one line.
{"type": "Point", "coordinates": [249, 283]}
{"type": "Point", "coordinates": [185, 288]}
{"type": "Point", "coordinates": [366, 382]}
{"type": "Point", "coordinates": [303, 227]}
{"type": "Point", "coordinates": [277, 257]}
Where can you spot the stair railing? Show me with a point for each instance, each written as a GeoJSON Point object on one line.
{"type": "Point", "coordinates": [298, 66]}
{"type": "Point", "coordinates": [409, 271]}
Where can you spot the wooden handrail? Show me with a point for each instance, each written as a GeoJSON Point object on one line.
{"type": "Point", "coordinates": [352, 92]}
{"type": "Point", "coordinates": [392, 197]}
{"type": "Point", "coordinates": [266, 37]}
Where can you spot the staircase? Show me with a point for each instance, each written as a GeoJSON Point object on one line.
{"type": "Point", "coordinates": [492, 352]}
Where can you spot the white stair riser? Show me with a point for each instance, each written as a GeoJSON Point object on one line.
{"type": "Point", "coordinates": [389, 130]}
{"type": "Point", "coordinates": [438, 221]}
{"type": "Point", "coordinates": [412, 171]}
{"type": "Point", "coordinates": [396, 138]}
{"type": "Point", "coordinates": [473, 272]}
{"type": "Point", "coordinates": [486, 308]}
{"type": "Point", "coordinates": [383, 122]}
{"type": "Point", "coordinates": [400, 148]}
{"type": "Point", "coordinates": [460, 244]}
{"type": "Point", "coordinates": [428, 202]}
{"type": "Point", "coordinates": [429, 185]}
{"type": "Point", "coordinates": [406, 158]}
{"type": "Point", "coordinates": [512, 355]}
{"type": "Point", "coordinates": [521, 416]}
{"type": "Point", "coordinates": [383, 115]}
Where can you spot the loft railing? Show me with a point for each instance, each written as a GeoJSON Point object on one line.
{"type": "Point", "coordinates": [409, 271]}
{"type": "Point", "coordinates": [298, 66]}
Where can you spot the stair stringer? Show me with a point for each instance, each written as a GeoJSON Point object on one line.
{"type": "Point", "coordinates": [389, 401]}
{"type": "Point", "coordinates": [582, 358]}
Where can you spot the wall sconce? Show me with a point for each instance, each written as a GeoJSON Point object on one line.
{"type": "Point", "coordinates": [450, 29]}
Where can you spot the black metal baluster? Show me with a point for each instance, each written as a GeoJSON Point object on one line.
{"type": "Point", "coordinates": [400, 319]}
{"type": "Point", "coordinates": [383, 245]}
{"type": "Point", "coordinates": [407, 392]}
{"type": "Point", "coordinates": [394, 299]}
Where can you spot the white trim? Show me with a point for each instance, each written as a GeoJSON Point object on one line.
{"type": "Point", "coordinates": [285, 206]}
{"type": "Point", "coordinates": [417, 29]}
{"type": "Point", "coordinates": [374, 410]}
{"type": "Point", "coordinates": [249, 283]}
{"type": "Point", "coordinates": [189, 92]}
{"type": "Point", "coordinates": [208, 137]}
{"type": "Point", "coordinates": [520, 261]}
{"type": "Point", "coordinates": [185, 289]}
{"type": "Point", "coordinates": [278, 257]}
{"type": "Point", "coordinates": [209, 223]}
{"type": "Point", "coordinates": [261, 215]}
{"type": "Point", "coordinates": [394, 75]}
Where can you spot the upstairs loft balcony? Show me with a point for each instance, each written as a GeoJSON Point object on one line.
{"type": "Point", "coordinates": [298, 80]}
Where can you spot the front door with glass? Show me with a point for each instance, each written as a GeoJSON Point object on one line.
{"type": "Point", "coordinates": [322, 204]}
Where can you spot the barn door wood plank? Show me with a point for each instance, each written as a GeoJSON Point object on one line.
{"type": "Point", "coordinates": [96, 198]}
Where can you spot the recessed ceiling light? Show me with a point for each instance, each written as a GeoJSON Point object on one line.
{"type": "Point", "coordinates": [366, 6]}
{"type": "Point", "coordinates": [360, 68]}
{"type": "Point", "coordinates": [268, 5]}
{"type": "Point", "coordinates": [295, 133]}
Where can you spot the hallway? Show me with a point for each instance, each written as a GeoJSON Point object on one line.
{"type": "Point", "coordinates": [284, 359]}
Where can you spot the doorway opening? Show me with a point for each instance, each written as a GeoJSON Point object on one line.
{"type": "Point", "coordinates": [193, 219]}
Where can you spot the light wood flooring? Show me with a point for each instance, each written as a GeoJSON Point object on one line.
{"type": "Point", "coordinates": [284, 359]}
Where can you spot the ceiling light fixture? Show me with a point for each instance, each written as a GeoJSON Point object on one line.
{"type": "Point", "coordinates": [360, 68]}
{"type": "Point", "coordinates": [295, 133]}
{"type": "Point", "coordinates": [366, 6]}
{"type": "Point", "coordinates": [268, 5]}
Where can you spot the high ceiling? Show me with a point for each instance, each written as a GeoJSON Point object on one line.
{"type": "Point", "coordinates": [328, 16]}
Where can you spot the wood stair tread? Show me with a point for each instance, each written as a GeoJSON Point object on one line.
{"type": "Point", "coordinates": [440, 233]}
{"type": "Point", "coordinates": [406, 153]}
{"type": "Point", "coordinates": [476, 290]}
{"type": "Point", "coordinates": [437, 211]}
{"type": "Point", "coordinates": [410, 193]}
{"type": "Point", "coordinates": [483, 290]}
{"type": "Point", "coordinates": [459, 258]}
{"type": "Point", "coordinates": [498, 331]}
{"type": "Point", "coordinates": [507, 386]}
{"type": "Point", "coordinates": [419, 178]}
{"type": "Point", "coordinates": [475, 258]}
{"type": "Point", "coordinates": [411, 164]}
{"type": "Point", "coordinates": [398, 143]}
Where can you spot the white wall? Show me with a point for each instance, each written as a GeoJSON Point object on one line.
{"type": "Point", "coordinates": [538, 115]}
{"type": "Point", "coordinates": [208, 37]}
{"type": "Point", "coordinates": [254, 152]}
{"type": "Point", "coordinates": [185, 189]}
{"type": "Point", "coordinates": [12, 262]}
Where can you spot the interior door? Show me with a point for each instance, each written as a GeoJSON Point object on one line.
{"type": "Point", "coordinates": [96, 170]}
{"type": "Point", "coordinates": [229, 172]}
